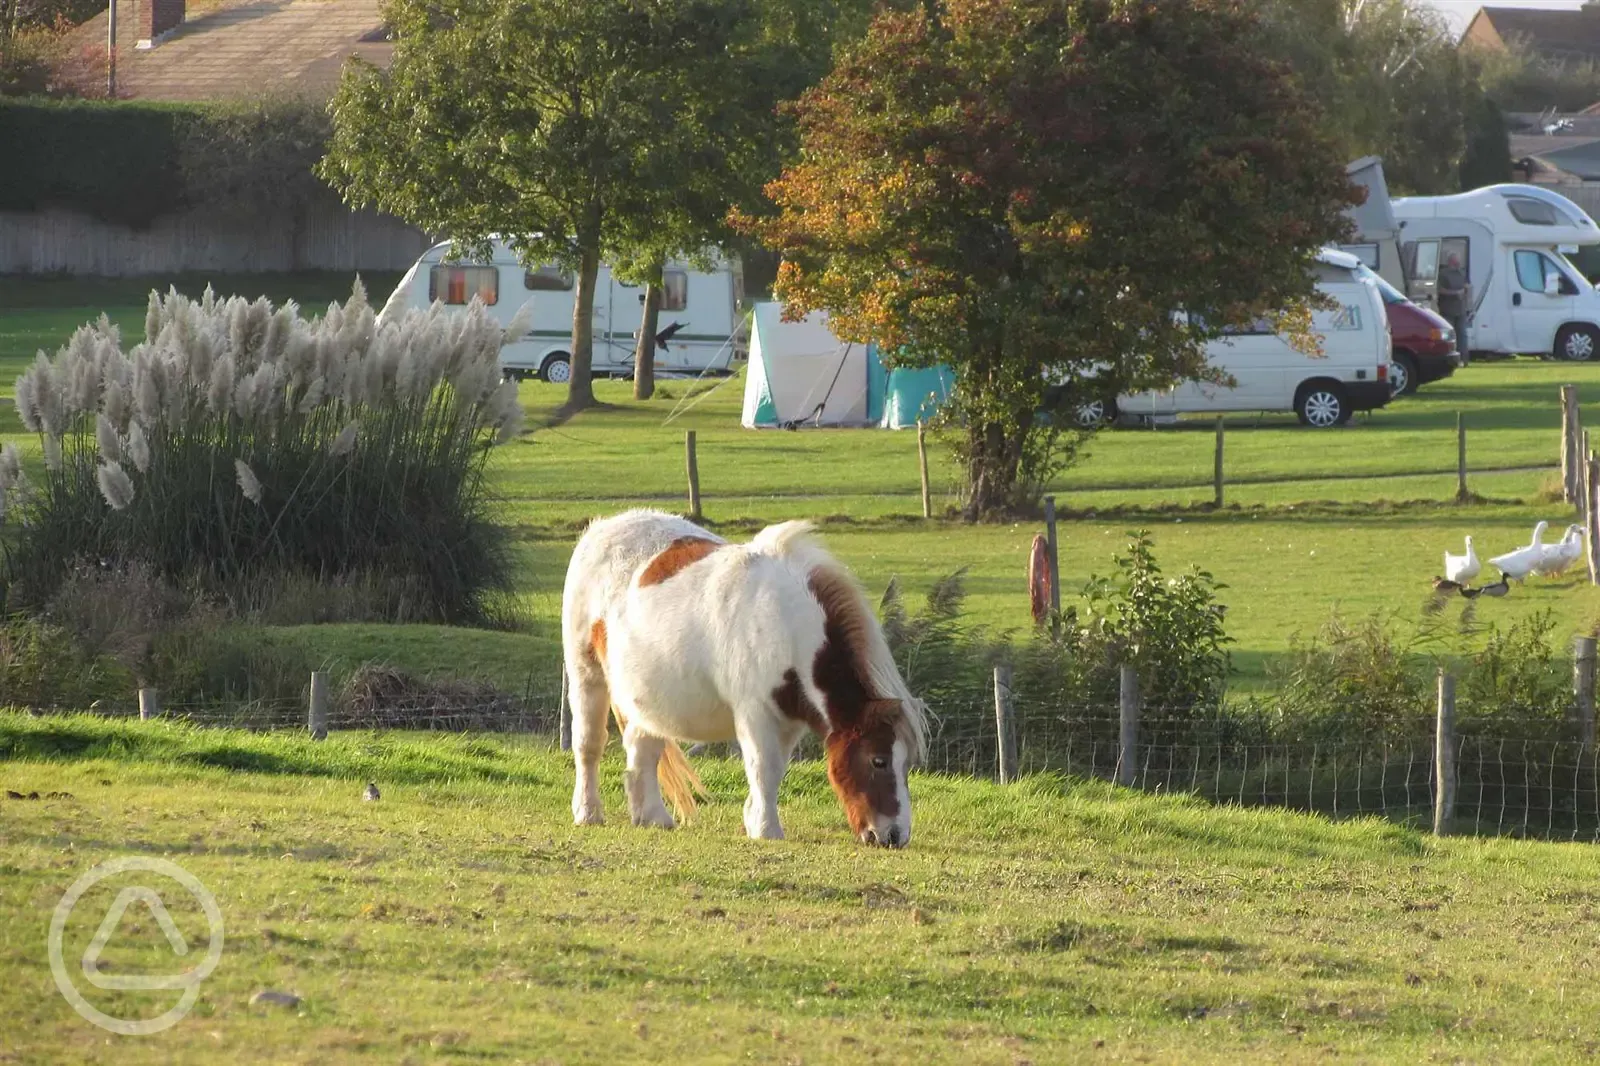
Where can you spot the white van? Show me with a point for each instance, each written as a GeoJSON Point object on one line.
{"type": "Point", "coordinates": [698, 329]}
{"type": "Point", "coordinates": [1351, 374]}
{"type": "Point", "coordinates": [1523, 296]}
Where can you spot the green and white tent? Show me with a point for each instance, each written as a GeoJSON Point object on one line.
{"type": "Point", "coordinates": [800, 375]}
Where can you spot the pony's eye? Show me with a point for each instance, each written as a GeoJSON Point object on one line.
{"type": "Point", "coordinates": [879, 762]}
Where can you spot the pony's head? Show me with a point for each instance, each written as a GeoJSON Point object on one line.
{"type": "Point", "coordinates": [867, 764]}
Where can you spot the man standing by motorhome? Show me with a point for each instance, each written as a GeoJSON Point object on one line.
{"type": "Point", "coordinates": [1453, 300]}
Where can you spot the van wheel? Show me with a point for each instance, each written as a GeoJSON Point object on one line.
{"type": "Point", "coordinates": [1578, 343]}
{"type": "Point", "coordinates": [1322, 404]}
{"type": "Point", "coordinates": [1095, 413]}
{"type": "Point", "coordinates": [1402, 375]}
{"type": "Point", "coordinates": [556, 368]}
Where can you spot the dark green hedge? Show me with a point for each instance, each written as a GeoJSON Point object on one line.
{"type": "Point", "coordinates": [117, 161]}
{"type": "Point", "coordinates": [131, 162]}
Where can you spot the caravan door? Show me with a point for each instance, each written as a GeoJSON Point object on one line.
{"type": "Point", "coordinates": [1422, 274]}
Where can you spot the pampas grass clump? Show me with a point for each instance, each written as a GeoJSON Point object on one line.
{"type": "Point", "coordinates": [241, 441]}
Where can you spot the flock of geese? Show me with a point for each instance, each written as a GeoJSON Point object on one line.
{"type": "Point", "coordinates": [1535, 557]}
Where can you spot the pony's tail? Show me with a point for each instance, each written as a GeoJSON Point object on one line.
{"type": "Point", "coordinates": [679, 782]}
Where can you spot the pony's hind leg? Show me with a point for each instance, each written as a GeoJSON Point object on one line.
{"type": "Point", "coordinates": [591, 699]}
{"type": "Point", "coordinates": [641, 781]}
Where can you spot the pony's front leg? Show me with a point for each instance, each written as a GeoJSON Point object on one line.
{"type": "Point", "coordinates": [591, 699]}
{"type": "Point", "coordinates": [641, 781]}
{"type": "Point", "coordinates": [765, 748]}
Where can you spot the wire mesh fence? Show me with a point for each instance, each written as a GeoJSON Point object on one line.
{"type": "Point", "coordinates": [1512, 776]}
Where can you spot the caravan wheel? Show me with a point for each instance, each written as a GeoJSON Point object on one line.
{"type": "Point", "coordinates": [556, 368]}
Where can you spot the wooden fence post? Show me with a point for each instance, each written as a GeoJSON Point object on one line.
{"type": "Point", "coordinates": [1461, 458]}
{"type": "Point", "coordinates": [694, 475]}
{"type": "Point", "coordinates": [317, 713]}
{"type": "Point", "coordinates": [1005, 724]}
{"type": "Point", "coordinates": [1591, 467]}
{"type": "Point", "coordinates": [1128, 746]}
{"type": "Point", "coordinates": [1055, 556]}
{"type": "Point", "coordinates": [1444, 756]}
{"type": "Point", "coordinates": [149, 704]}
{"type": "Point", "coordinates": [922, 465]}
{"type": "Point", "coordinates": [564, 715]}
{"type": "Point", "coordinates": [1583, 686]}
{"type": "Point", "coordinates": [1216, 476]}
{"type": "Point", "coordinates": [1571, 457]}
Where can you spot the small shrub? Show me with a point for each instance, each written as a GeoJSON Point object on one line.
{"type": "Point", "coordinates": [1517, 686]}
{"type": "Point", "coordinates": [117, 612]}
{"type": "Point", "coordinates": [1351, 681]}
{"type": "Point", "coordinates": [202, 665]}
{"type": "Point", "coordinates": [43, 666]}
{"type": "Point", "coordinates": [382, 697]}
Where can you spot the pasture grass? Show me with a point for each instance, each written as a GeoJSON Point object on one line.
{"type": "Point", "coordinates": [1353, 520]}
{"type": "Point", "coordinates": [462, 917]}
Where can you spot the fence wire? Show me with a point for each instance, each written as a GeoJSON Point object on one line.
{"type": "Point", "coordinates": [1534, 777]}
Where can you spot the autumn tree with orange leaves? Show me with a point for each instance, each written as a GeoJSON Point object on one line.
{"type": "Point", "coordinates": [1028, 189]}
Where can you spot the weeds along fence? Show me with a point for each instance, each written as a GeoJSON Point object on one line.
{"type": "Point", "coordinates": [1479, 774]}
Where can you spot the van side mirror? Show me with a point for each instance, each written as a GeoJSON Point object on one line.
{"type": "Point", "coordinates": [1552, 285]}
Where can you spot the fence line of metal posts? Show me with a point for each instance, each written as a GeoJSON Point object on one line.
{"type": "Point", "coordinates": [922, 466]}
{"type": "Point", "coordinates": [1583, 652]}
{"type": "Point", "coordinates": [1461, 457]}
{"type": "Point", "coordinates": [1055, 558]}
{"type": "Point", "coordinates": [317, 711]}
{"type": "Point", "coordinates": [1216, 476]}
{"type": "Point", "coordinates": [149, 704]}
{"type": "Point", "coordinates": [694, 474]}
{"type": "Point", "coordinates": [1571, 457]}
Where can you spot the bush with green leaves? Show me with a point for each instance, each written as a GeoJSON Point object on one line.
{"type": "Point", "coordinates": [241, 442]}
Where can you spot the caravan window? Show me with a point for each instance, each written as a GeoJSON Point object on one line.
{"type": "Point", "coordinates": [674, 290]}
{"type": "Point", "coordinates": [1532, 212]}
{"type": "Point", "coordinates": [547, 279]}
{"type": "Point", "coordinates": [459, 284]}
{"type": "Point", "coordinates": [1367, 253]}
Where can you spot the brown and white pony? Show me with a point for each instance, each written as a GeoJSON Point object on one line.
{"type": "Point", "coordinates": [688, 637]}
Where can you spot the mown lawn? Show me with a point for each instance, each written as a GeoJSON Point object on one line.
{"type": "Point", "coordinates": [1353, 520]}
{"type": "Point", "coordinates": [462, 918]}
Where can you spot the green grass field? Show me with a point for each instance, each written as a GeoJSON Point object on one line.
{"type": "Point", "coordinates": [462, 918]}
{"type": "Point", "coordinates": [1353, 520]}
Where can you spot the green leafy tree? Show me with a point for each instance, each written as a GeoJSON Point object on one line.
{"type": "Point", "coordinates": [1030, 190]}
{"type": "Point", "coordinates": [729, 141]}
{"type": "Point", "coordinates": [1487, 160]}
{"type": "Point", "coordinates": [534, 120]}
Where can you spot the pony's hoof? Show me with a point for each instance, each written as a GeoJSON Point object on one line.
{"type": "Point", "coordinates": [655, 820]}
{"type": "Point", "coordinates": [588, 816]}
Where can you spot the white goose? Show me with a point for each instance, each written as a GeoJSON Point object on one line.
{"type": "Point", "coordinates": [1462, 568]}
{"type": "Point", "coordinates": [1520, 563]}
{"type": "Point", "coordinates": [1557, 557]}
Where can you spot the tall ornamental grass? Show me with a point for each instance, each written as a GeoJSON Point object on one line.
{"type": "Point", "coordinates": [242, 443]}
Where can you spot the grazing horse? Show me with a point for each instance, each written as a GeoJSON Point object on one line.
{"type": "Point", "coordinates": [688, 637]}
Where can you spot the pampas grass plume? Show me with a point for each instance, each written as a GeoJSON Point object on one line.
{"type": "Point", "coordinates": [115, 485]}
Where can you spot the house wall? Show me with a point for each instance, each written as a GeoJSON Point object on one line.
{"type": "Point", "coordinates": [326, 236]}
{"type": "Point", "coordinates": [1481, 32]}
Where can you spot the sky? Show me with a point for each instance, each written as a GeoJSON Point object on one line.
{"type": "Point", "coordinates": [1460, 12]}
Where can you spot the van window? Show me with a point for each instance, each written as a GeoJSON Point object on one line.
{"type": "Point", "coordinates": [1390, 294]}
{"type": "Point", "coordinates": [1367, 253]}
{"type": "Point", "coordinates": [1534, 267]}
{"type": "Point", "coordinates": [1532, 212]}
{"type": "Point", "coordinates": [547, 279]}
{"type": "Point", "coordinates": [459, 284]}
{"type": "Point", "coordinates": [674, 290]}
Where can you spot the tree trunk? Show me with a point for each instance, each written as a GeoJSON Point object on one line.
{"type": "Point", "coordinates": [644, 353]}
{"type": "Point", "coordinates": [580, 386]}
{"type": "Point", "coordinates": [994, 459]}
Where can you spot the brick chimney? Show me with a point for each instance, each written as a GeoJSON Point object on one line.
{"type": "Point", "coordinates": [158, 18]}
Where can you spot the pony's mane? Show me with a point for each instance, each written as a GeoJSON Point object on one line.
{"type": "Point", "coordinates": [843, 602]}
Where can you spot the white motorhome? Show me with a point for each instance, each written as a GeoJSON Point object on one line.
{"type": "Point", "coordinates": [1350, 374]}
{"type": "Point", "coordinates": [1376, 241]}
{"type": "Point", "coordinates": [698, 329]}
{"type": "Point", "coordinates": [1523, 296]}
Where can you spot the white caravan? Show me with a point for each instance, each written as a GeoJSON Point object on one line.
{"type": "Point", "coordinates": [697, 332]}
{"type": "Point", "coordinates": [1351, 373]}
{"type": "Point", "coordinates": [1376, 241]}
{"type": "Point", "coordinates": [1523, 296]}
